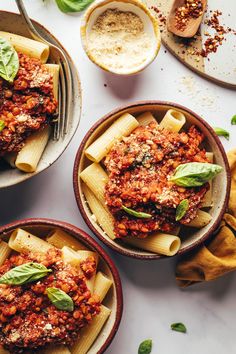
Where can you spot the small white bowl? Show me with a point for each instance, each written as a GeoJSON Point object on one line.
{"type": "Point", "coordinates": [150, 26]}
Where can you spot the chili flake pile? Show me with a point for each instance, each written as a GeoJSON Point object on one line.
{"type": "Point", "coordinates": [28, 320]}
{"type": "Point", "coordinates": [26, 105]}
{"type": "Point", "coordinates": [212, 42]}
{"type": "Point", "coordinates": [139, 168]}
{"type": "Point", "coordinates": [190, 9]}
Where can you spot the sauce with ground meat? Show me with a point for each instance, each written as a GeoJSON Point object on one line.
{"type": "Point", "coordinates": [26, 105]}
{"type": "Point", "coordinates": [139, 168]}
{"type": "Point", "coordinates": [29, 321]}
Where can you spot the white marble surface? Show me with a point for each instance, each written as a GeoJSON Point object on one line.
{"type": "Point", "coordinates": [152, 300]}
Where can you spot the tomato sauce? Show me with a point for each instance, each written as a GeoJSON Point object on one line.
{"type": "Point", "coordinates": [26, 105]}
{"type": "Point", "coordinates": [139, 168]}
{"type": "Point", "coordinates": [28, 320]}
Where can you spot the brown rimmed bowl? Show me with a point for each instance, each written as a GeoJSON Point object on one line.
{"type": "Point", "coordinates": [12, 22]}
{"type": "Point", "coordinates": [114, 299]}
{"type": "Point", "coordinates": [221, 184]}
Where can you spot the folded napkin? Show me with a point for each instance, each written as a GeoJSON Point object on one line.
{"type": "Point", "coordinates": [217, 257]}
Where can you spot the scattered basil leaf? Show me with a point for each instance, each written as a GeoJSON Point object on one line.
{"type": "Point", "coordinates": [221, 132]}
{"type": "Point", "coordinates": [195, 174]}
{"type": "Point", "coordinates": [181, 209]}
{"type": "Point", "coordinates": [145, 347]}
{"type": "Point", "coordinates": [2, 125]}
{"type": "Point", "coordinates": [25, 273]}
{"type": "Point", "coordinates": [178, 327]}
{"type": "Point", "coordinates": [137, 214]}
{"type": "Point", "coordinates": [9, 61]}
{"type": "Point", "coordinates": [60, 299]}
{"type": "Point", "coordinates": [73, 5]}
{"type": "Point", "coordinates": [233, 120]}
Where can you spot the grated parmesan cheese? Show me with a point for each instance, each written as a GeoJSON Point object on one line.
{"type": "Point", "coordinates": [118, 40]}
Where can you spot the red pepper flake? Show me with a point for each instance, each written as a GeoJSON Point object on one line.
{"type": "Point", "coordinates": [160, 16]}
{"type": "Point", "coordinates": [190, 9]}
{"type": "Point", "coordinates": [213, 42]}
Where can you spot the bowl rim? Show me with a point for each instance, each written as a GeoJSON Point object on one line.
{"type": "Point", "coordinates": [153, 21]}
{"type": "Point", "coordinates": [133, 254]}
{"type": "Point", "coordinates": [26, 175]}
{"type": "Point", "coordinates": [89, 241]}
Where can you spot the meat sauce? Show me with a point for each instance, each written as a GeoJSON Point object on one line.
{"type": "Point", "coordinates": [28, 320]}
{"type": "Point", "coordinates": [139, 168]}
{"type": "Point", "coordinates": [26, 105]}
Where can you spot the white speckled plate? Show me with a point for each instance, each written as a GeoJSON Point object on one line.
{"type": "Point", "coordinates": [12, 22]}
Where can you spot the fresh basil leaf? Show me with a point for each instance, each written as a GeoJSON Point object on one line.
{"type": "Point", "coordinates": [73, 5]}
{"type": "Point", "coordinates": [60, 299]}
{"type": "Point", "coordinates": [2, 125]}
{"type": "Point", "coordinates": [137, 214]}
{"type": "Point", "coordinates": [181, 209]}
{"type": "Point", "coordinates": [195, 174]}
{"type": "Point", "coordinates": [9, 61]}
{"type": "Point", "coordinates": [221, 132]}
{"type": "Point", "coordinates": [178, 327]}
{"type": "Point", "coordinates": [145, 347]}
{"type": "Point", "coordinates": [25, 273]}
{"type": "Point", "coordinates": [233, 120]}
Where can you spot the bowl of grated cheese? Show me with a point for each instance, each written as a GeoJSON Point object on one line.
{"type": "Point", "coordinates": [121, 37]}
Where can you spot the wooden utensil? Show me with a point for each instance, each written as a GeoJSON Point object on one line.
{"type": "Point", "coordinates": [192, 24]}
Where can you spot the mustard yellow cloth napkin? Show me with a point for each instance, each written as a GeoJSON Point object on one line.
{"type": "Point", "coordinates": [219, 256]}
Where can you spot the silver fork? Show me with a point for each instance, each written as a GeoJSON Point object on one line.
{"type": "Point", "coordinates": [65, 86]}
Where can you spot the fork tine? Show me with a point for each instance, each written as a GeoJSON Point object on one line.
{"type": "Point", "coordinates": [68, 97]}
{"type": "Point", "coordinates": [56, 126]}
{"type": "Point", "coordinates": [62, 105]}
{"type": "Point", "coordinates": [63, 101]}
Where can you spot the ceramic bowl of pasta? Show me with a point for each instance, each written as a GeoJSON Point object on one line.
{"type": "Point", "coordinates": [121, 37]}
{"type": "Point", "coordinates": [30, 103]}
{"type": "Point", "coordinates": [151, 179]}
{"type": "Point", "coordinates": [60, 291]}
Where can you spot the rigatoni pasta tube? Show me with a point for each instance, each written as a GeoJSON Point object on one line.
{"type": "Point", "coordinates": [59, 239]}
{"type": "Point", "coordinates": [207, 200]}
{"type": "Point", "coordinates": [23, 241]}
{"type": "Point", "coordinates": [101, 146]}
{"type": "Point", "coordinates": [160, 243]}
{"type": "Point", "coordinates": [54, 71]}
{"type": "Point", "coordinates": [173, 120]}
{"type": "Point", "coordinates": [202, 219]}
{"type": "Point", "coordinates": [101, 215]}
{"type": "Point", "coordinates": [95, 178]}
{"type": "Point", "coordinates": [210, 156]}
{"type": "Point", "coordinates": [146, 118]}
{"type": "Point", "coordinates": [59, 349]}
{"type": "Point", "coordinates": [5, 251]}
{"type": "Point", "coordinates": [28, 158]}
{"type": "Point", "coordinates": [27, 46]}
{"type": "Point", "coordinates": [75, 258]}
{"type": "Point", "coordinates": [89, 333]}
{"type": "Point", "coordinates": [70, 256]}
{"type": "Point", "coordinates": [84, 255]}
{"type": "Point", "coordinates": [101, 285]}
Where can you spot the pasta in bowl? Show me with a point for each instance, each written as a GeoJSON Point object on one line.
{"type": "Point", "coordinates": [29, 106]}
{"type": "Point", "coordinates": [57, 281]}
{"type": "Point", "coordinates": [145, 177]}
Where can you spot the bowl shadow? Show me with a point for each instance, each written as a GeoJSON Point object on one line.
{"type": "Point", "coordinates": [146, 274]}
{"type": "Point", "coordinates": [123, 87]}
